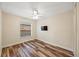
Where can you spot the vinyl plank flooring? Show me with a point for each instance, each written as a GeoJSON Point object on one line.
{"type": "Point", "coordinates": [35, 48]}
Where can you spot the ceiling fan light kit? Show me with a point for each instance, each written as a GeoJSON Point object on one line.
{"type": "Point", "coordinates": [35, 14]}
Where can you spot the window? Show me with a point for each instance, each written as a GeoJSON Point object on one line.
{"type": "Point", "coordinates": [25, 30]}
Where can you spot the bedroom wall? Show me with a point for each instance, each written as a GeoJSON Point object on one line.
{"type": "Point", "coordinates": [0, 32]}
{"type": "Point", "coordinates": [60, 30]}
{"type": "Point", "coordinates": [77, 29]}
{"type": "Point", "coordinates": [11, 29]}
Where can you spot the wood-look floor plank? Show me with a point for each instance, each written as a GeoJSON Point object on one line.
{"type": "Point", "coordinates": [21, 51]}
{"type": "Point", "coordinates": [69, 53]}
{"type": "Point", "coordinates": [3, 52]}
{"type": "Point", "coordinates": [44, 50]}
{"type": "Point", "coordinates": [41, 54]}
{"type": "Point", "coordinates": [27, 52]}
{"type": "Point", "coordinates": [8, 52]}
{"type": "Point", "coordinates": [34, 51]}
{"type": "Point", "coordinates": [11, 52]}
{"type": "Point", "coordinates": [37, 52]}
{"type": "Point", "coordinates": [16, 52]}
{"type": "Point", "coordinates": [38, 48]}
{"type": "Point", "coordinates": [52, 51]}
{"type": "Point", "coordinates": [59, 51]}
{"type": "Point", "coordinates": [29, 49]}
{"type": "Point", "coordinates": [35, 48]}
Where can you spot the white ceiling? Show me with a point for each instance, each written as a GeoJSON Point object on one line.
{"type": "Point", "coordinates": [45, 9]}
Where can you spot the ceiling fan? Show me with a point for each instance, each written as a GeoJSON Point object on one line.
{"type": "Point", "coordinates": [35, 14]}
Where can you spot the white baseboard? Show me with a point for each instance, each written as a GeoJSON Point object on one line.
{"type": "Point", "coordinates": [15, 43]}
{"type": "Point", "coordinates": [59, 46]}
{"type": "Point", "coordinates": [41, 40]}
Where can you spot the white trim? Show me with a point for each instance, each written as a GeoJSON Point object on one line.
{"type": "Point", "coordinates": [15, 43]}
{"type": "Point", "coordinates": [58, 46]}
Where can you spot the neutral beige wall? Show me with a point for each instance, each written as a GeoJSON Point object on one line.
{"type": "Point", "coordinates": [11, 29]}
{"type": "Point", "coordinates": [0, 32]}
{"type": "Point", "coordinates": [60, 30]}
{"type": "Point", "coordinates": [77, 29]}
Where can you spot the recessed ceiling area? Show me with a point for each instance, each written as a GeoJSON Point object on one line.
{"type": "Point", "coordinates": [45, 9]}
